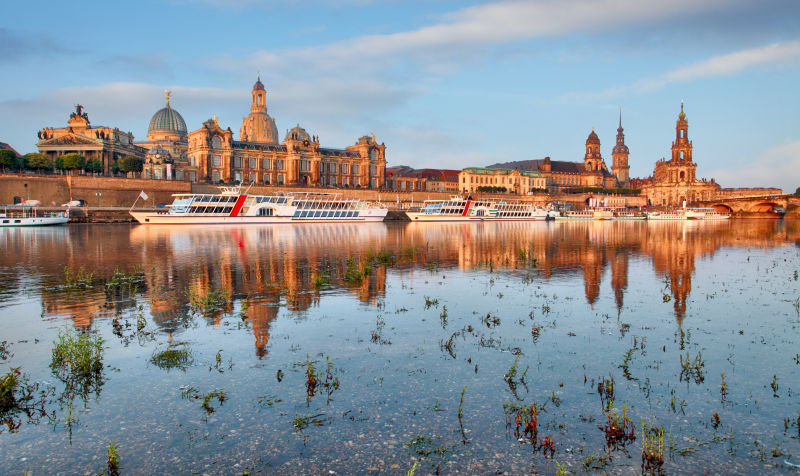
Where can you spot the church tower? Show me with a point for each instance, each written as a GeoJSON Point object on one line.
{"type": "Point", "coordinates": [258, 126]}
{"type": "Point", "coordinates": [593, 160]}
{"type": "Point", "coordinates": [682, 151]}
{"type": "Point", "coordinates": [619, 154]}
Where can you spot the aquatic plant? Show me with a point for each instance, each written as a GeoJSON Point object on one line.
{"type": "Point", "coordinates": [355, 273]}
{"type": "Point", "coordinates": [619, 429]}
{"type": "Point", "coordinates": [77, 354]}
{"type": "Point", "coordinates": [173, 358]}
{"type": "Point", "coordinates": [605, 388]}
{"type": "Point", "coordinates": [692, 368]}
{"type": "Point", "coordinates": [715, 420]}
{"type": "Point", "coordinates": [461, 403]}
{"type": "Point", "coordinates": [5, 353]}
{"type": "Point", "coordinates": [302, 422]}
{"type": "Point", "coordinates": [319, 280]}
{"type": "Point", "coordinates": [326, 379]}
{"type": "Point", "coordinates": [723, 388]}
{"type": "Point", "coordinates": [431, 302]}
{"type": "Point", "coordinates": [126, 282]}
{"type": "Point", "coordinates": [424, 446]}
{"type": "Point", "coordinates": [413, 468]}
{"type": "Point", "coordinates": [18, 396]}
{"type": "Point", "coordinates": [78, 279]}
{"type": "Point", "coordinates": [774, 386]}
{"type": "Point", "coordinates": [112, 460]}
{"type": "Point", "coordinates": [560, 471]}
{"type": "Point", "coordinates": [626, 362]}
{"type": "Point", "coordinates": [207, 398]}
{"type": "Point", "coordinates": [652, 447]}
{"type": "Point", "coordinates": [209, 302]}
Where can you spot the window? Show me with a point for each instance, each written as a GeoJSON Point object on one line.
{"type": "Point", "coordinates": [237, 162]}
{"type": "Point", "coordinates": [252, 163]}
{"type": "Point", "coordinates": [355, 169]}
{"type": "Point", "coordinates": [355, 181]}
{"type": "Point", "coordinates": [215, 176]}
{"type": "Point", "coordinates": [279, 166]}
{"type": "Point", "coordinates": [373, 170]}
{"type": "Point", "coordinates": [344, 168]}
{"type": "Point", "coordinates": [265, 164]}
{"type": "Point", "coordinates": [216, 143]}
{"type": "Point", "coordinates": [238, 176]}
{"type": "Point", "coordinates": [280, 176]}
{"type": "Point", "coordinates": [217, 161]}
{"type": "Point", "coordinates": [252, 178]}
{"type": "Point", "coordinates": [266, 179]}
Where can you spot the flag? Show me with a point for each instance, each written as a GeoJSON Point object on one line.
{"type": "Point", "coordinates": [143, 195]}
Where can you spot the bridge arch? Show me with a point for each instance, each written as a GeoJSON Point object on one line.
{"type": "Point", "coordinates": [721, 207]}
{"type": "Point", "coordinates": [764, 207]}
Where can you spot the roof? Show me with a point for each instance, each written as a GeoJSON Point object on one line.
{"type": "Point", "coordinates": [500, 171]}
{"type": "Point", "coordinates": [167, 119]}
{"type": "Point", "coordinates": [5, 146]}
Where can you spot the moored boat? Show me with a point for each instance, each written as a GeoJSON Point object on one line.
{"type": "Point", "coordinates": [576, 215]}
{"type": "Point", "coordinates": [705, 214]}
{"type": "Point", "coordinates": [21, 215]}
{"type": "Point", "coordinates": [233, 207]}
{"type": "Point", "coordinates": [466, 209]}
{"type": "Point", "coordinates": [666, 215]}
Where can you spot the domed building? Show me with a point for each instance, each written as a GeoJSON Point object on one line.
{"type": "Point", "coordinates": [258, 126]}
{"type": "Point", "coordinates": [259, 158]}
{"type": "Point", "coordinates": [166, 145]}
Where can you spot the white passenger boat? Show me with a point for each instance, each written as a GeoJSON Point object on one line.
{"type": "Point", "coordinates": [233, 207]}
{"type": "Point", "coordinates": [576, 215]}
{"type": "Point", "coordinates": [705, 214]}
{"type": "Point", "coordinates": [466, 209]}
{"type": "Point", "coordinates": [625, 214]}
{"type": "Point", "coordinates": [21, 215]}
{"type": "Point", "coordinates": [666, 215]}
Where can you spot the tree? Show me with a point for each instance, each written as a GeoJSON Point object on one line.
{"type": "Point", "coordinates": [94, 166]}
{"type": "Point", "coordinates": [130, 163]}
{"type": "Point", "coordinates": [70, 162]}
{"type": "Point", "coordinates": [7, 159]}
{"type": "Point", "coordinates": [797, 192]}
{"type": "Point", "coordinates": [38, 161]}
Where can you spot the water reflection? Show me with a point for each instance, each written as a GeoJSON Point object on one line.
{"type": "Point", "coordinates": [275, 266]}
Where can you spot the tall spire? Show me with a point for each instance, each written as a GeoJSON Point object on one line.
{"type": "Point", "coordinates": [682, 115]}
{"type": "Point", "coordinates": [620, 120]}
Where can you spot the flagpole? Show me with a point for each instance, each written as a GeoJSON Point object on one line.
{"type": "Point", "coordinates": [134, 202]}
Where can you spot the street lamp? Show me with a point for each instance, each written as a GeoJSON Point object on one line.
{"type": "Point", "coordinates": [98, 199]}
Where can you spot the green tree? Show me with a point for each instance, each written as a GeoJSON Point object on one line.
{"type": "Point", "coordinates": [38, 161]}
{"type": "Point", "coordinates": [7, 159]}
{"type": "Point", "coordinates": [94, 166]}
{"type": "Point", "coordinates": [130, 163]}
{"type": "Point", "coordinates": [71, 162]}
{"type": "Point", "coordinates": [797, 192]}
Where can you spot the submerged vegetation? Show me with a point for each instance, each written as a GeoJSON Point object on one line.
{"type": "Point", "coordinates": [175, 357]}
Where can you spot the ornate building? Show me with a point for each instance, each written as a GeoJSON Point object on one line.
{"type": "Point", "coordinates": [520, 182]}
{"type": "Point", "coordinates": [166, 145]}
{"type": "Point", "coordinates": [257, 157]}
{"type": "Point", "coordinates": [674, 182]}
{"type": "Point", "coordinates": [592, 172]}
{"type": "Point", "coordinates": [100, 142]}
{"type": "Point", "coordinates": [619, 155]}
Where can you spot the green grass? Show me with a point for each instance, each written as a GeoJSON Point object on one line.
{"type": "Point", "coordinates": [77, 354]}
{"type": "Point", "coordinates": [113, 459]}
{"type": "Point", "coordinates": [78, 278]}
{"type": "Point", "coordinates": [173, 358]}
{"type": "Point", "coordinates": [208, 302]}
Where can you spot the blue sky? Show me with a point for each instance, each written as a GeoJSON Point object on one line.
{"type": "Point", "coordinates": [446, 84]}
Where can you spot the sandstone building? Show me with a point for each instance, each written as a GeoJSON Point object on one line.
{"type": "Point", "coordinates": [520, 182]}
{"type": "Point", "coordinates": [99, 142]}
{"type": "Point", "coordinates": [674, 181]}
{"type": "Point", "coordinates": [258, 156]}
{"type": "Point", "coordinates": [167, 145]}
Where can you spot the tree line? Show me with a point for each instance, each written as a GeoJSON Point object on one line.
{"type": "Point", "coordinates": [67, 162]}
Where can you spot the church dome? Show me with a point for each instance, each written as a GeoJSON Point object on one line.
{"type": "Point", "coordinates": [259, 86]}
{"type": "Point", "coordinates": [167, 119]}
{"type": "Point", "coordinates": [297, 133]}
{"type": "Point", "coordinates": [593, 139]}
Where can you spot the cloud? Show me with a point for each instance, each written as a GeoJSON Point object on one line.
{"type": "Point", "coordinates": [16, 46]}
{"type": "Point", "coordinates": [778, 166]}
{"type": "Point", "coordinates": [141, 65]}
{"type": "Point", "coordinates": [463, 35]}
{"type": "Point", "coordinates": [787, 52]}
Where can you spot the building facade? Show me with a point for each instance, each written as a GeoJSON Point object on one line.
{"type": "Point", "coordinates": [105, 144]}
{"type": "Point", "coordinates": [520, 182]}
{"type": "Point", "coordinates": [257, 157]}
{"type": "Point", "coordinates": [674, 181]}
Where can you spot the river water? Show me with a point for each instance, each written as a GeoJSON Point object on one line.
{"type": "Point", "coordinates": [435, 338]}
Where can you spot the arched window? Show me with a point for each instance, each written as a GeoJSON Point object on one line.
{"type": "Point", "coordinates": [216, 143]}
{"type": "Point", "coordinates": [683, 175]}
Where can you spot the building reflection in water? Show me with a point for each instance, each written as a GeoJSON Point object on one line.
{"type": "Point", "coordinates": [274, 267]}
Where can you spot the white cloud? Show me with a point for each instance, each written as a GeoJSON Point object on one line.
{"type": "Point", "coordinates": [787, 52]}
{"type": "Point", "coordinates": [778, 166]}
{"type": "Point", "coordinates": [463, 34]}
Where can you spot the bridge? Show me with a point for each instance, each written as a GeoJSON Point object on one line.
{"type": "Point", "coordinates": [760, 205]}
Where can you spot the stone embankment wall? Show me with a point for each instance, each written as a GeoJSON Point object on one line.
{"type": "Point", "coordinates": [746, 192]}
{"type": "Point", "coordinates": [95, 191]}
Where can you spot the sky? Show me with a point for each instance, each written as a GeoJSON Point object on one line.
{"type": "Point", "coordinates": [443, 83]}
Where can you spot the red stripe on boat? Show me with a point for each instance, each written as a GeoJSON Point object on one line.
{"type": "Point", "coordinates": [466, 208]}
{"type": "Point", "coordinates": [238, 206]}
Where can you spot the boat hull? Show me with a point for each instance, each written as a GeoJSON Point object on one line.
{"type": "Point", "coordinates": [32, 221]}
{"type": "Point", "coordinates": [418, 216]}
{"type": "Point", "coordinates": [150, 218]}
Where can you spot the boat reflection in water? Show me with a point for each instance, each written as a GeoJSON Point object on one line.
{"type": "Point", "coordinates": [276, 265]}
